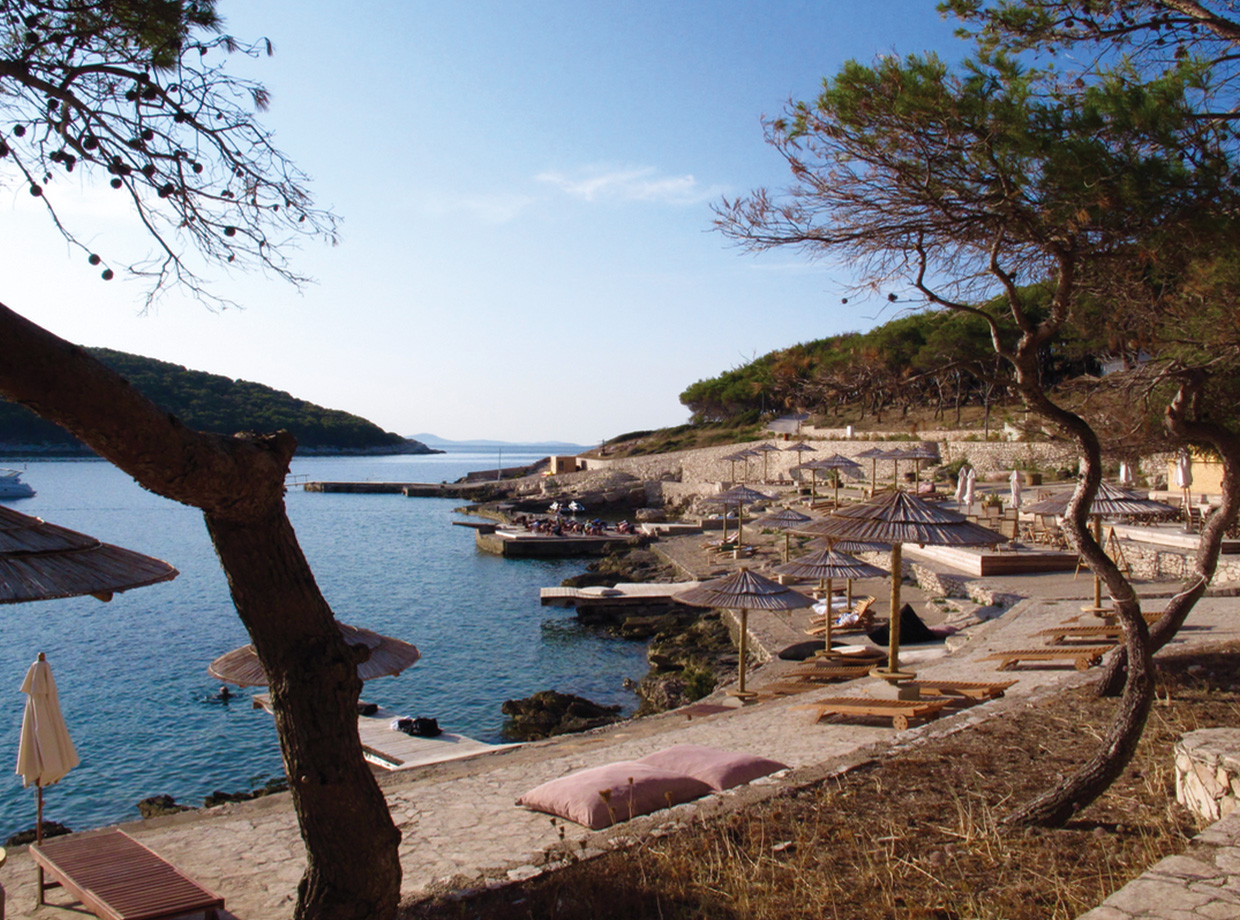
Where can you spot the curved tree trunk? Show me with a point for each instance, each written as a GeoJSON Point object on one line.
{"type": "Point", "coordinates": [353, 870]}
{"type": "Point", "coordinates": [1057, 805]}
{"type": "Point", "coordinates": [1205, 559]}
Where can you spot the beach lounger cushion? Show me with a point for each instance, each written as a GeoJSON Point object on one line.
{"type": "Point", "coordinates": [718, 769]}
{"type": "Point", "coordinates": [606, 795]}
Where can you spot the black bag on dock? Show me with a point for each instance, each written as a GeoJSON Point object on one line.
{"type": "Point", "coordinates": [426, 728]}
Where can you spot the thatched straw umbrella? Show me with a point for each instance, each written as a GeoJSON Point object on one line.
{"type": "Point", "coordinates": [783, 519]}
{"type": "Point", "coordinates": [734, 459]}
{"type": "Point", "coordinates": [872, 454]}
{"type": "Point", "coordinates": [842, 466]}
{"type": "Point", "coordinates": [744, 590]}
{"type": "Point", "coordinates": [897, 518]}
{"type": "Point", "coordinates": [850, 547]}
{"type": "Point", "coordinates": [1109, 501]}
{"type": "Point", "coordinates": [801, 447]}
{"type": "Point", "coordinates": [387, 657]}
{"type": "Point", "coordinates": [763, 450]}
{"type": "Point", "coordinates": [826, 566]}
{"type": "Point", "coordinates": [739, 496]}
{"type": "Point", "coordinates": [41, 561]}
{"type": "Point", "coordinates": [919, 453]}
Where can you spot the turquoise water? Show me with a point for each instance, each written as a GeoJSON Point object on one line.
{"type": "Point", "coordinates": [132, 672]}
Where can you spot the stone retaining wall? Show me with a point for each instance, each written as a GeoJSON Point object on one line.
{"type": "Point", "coordinates": [1207, 772]}
{"type": "Point", "coordinates": [1151, 563]}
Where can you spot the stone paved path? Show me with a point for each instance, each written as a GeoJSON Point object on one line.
{"type": "Point", "coordinates": [460, 827]}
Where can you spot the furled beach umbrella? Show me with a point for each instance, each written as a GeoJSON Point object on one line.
{"type": "Point", "coordinates": [41, 561]}
{"type": "Point", "coordinates": [45, 753]}
{"type": "Point", "coordinates": [962, 482]}
{"type": "Point", "coordinates": [897, 517]}
{"type": "Point", "coordinates": [388, 656]}
{"type": "Point", "coordinates": [744, 590]}
{"type": "Point", "coordinates": [1014, 484]}
{"type": "Point", "coordinates": [1184, 482]}
{"type": "Point", "coordinates": [739, 496]}
{"type": "Point", "coordinates": [826, 566]}
{"type": "Point", "coordinates": [970, 480]}
{"type": "Point", "coordinates": [783, 519]}
{"type": "Point", "coordinates": [1108, 502]}
{"type": "Point", "coordinates": [872, 454]}
{"type": "Point", "coordinates": [1125, 475]}
{"type": "Point", "coordinates": [764, 450]}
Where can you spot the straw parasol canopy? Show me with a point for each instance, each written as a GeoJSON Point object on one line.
{"type": "Point", "coordinates": [801, 448]}
{"type": "Point", "coordinates": [897, 518]}
{"type": "Point", "coordinates": [388, 657]}
{"type": "Point", "coordinates": [928, 452]}
{"type": "Point", "coordinates": [764, 450]}
{"type": "Point", "coordinates": [783, 519]}
{"type": "Point", "coordinates": [1109, 501]}
{"type": "Point", "coordinates": [842, 466]}
{"type": "Point", "coordinates": [739, 496]}
{"type": "Point", "coordinates": [826, 566]}
{"type": "Point", "coordinates": [744, 590]}
{"type": "Point", "coordinates": [45, 752]}
{"type": "Point", "coordinates": [848, 546]}
{"type": "Point", "coordinates": [41, 561]}
{"type": "Point", "coordinates": [872, 454]}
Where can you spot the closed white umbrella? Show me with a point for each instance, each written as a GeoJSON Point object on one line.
{"type": "Point", "coordinates": [1183, 470]}
{"type": "Point", "coordinates": [962, 480]}
{"type": "Point", "coordinates": [1015, 481]}
{"type": "Point", "coordinates": [970, 478]}
{"type": "Point", "coordinates": [45, 753]}
{"type": "Point", "coordinates": [1125, 474]}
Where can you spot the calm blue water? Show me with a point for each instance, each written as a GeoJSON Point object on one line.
{"type": "Point", "coordinates": [132, 673]}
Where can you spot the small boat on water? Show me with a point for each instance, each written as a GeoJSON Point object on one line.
{"type": "Point", "coordinates": [11, 485]}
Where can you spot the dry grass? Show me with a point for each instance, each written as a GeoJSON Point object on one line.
{"type": "Point", "coordinates": [916, 835]}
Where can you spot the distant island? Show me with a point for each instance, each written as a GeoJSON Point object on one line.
{"type": "Point", "coordinates": [561, 447]}
{"type": "Point", "coordinates": [210, 402]}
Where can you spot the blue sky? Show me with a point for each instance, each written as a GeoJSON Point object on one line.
{"type": "Point", "coordinates": [526, 249]}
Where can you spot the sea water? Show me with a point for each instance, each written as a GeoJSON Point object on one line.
{"type": "Point", "coordinates": [132, 672]}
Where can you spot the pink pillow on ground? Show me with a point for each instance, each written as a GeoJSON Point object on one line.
{"type": "Point", "coordinates": [631, 788]}
{"type": "Point", "coordinates": [718, 769]}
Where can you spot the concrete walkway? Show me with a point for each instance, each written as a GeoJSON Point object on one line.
{"type": "Point", "coordinates": [460, 828]}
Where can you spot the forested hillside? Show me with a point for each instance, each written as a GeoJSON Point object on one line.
{"type": "Point", "coordinates": [927, 360]}
{"type": "Point", "coordinates": [210, 402]}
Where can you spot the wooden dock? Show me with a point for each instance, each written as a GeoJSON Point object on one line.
{"type": "Point", "coordinates": [408, 489]}
{"type": "Point", "coordinates": [622, 595]}
{"type": "Point", "coordinates": [521, 544]}
{"type": "Point", "coordinates": [389, 750]}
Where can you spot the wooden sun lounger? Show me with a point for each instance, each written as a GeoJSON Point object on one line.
{"type": "Point", "coordinates": [117, 878]}
{"type": "Point", "coordinates": [1082, 658]}
{"type": "Point", "coordinates": [784, 688]}
{"type": "Point", "coordinates": [899, 711]}
{"type": "Point", "coordinates": [1059, 634]}
{"type": "Point", "coordinates": [959, 688]}
{"type": "Point", "coordinates": [824, 673]}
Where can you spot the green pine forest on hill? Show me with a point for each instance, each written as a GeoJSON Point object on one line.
{"type": "Point", "coordinates": [936, 363]}
{"type": "Point", "coordinates": [210, 402]}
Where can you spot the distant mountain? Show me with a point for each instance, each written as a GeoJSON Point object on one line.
{"type": "Point", "coordinates": [209, 402]}
{"type": "Point", "coordinates": [436, 441]}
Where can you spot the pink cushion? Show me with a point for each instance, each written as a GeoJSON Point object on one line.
{"type": "Point", "coordinates": [718, 769]}
{"type": "Point", "coordinates": [633, 788]}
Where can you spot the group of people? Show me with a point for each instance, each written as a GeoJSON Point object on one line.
{"type": "Point", "coordinates": [559, 526]}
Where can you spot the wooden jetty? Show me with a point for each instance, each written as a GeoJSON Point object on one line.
{"type": "Point", "coordinates": [622, 595]}
{"type": "Point", "coordinates": [408, 489]}
{"type": "Point", "coordinates": [389, 750]}
{"type": "Point", "coordinates": [521, 544]}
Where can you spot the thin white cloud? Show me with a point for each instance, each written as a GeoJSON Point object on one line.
{"type": "Point", "coordinates": [642, 183]}
{"type": "Point", "coordinates": [493, 209]}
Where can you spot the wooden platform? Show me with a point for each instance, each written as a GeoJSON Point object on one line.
{"type": "Point", "coordinates": [525, 545]}
{"type": "Point", "coordinates": [622, 595]}
{"type": "Point", "coordinates": [391, 750]}
{"type": "Point", "coordinates": [982, 561]}
{"type": "Point", "coordinates": [117, 878]}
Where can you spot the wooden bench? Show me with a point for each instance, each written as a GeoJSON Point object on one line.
{"type": "Point", "coordinates": [1082, 658]}
{"type": "Point", "coordinates": [899, 711]}
{"type": "Point", "coordinates": [958, 688]}
{"type": "Point", "coordinates": [1059, 634]}
{"type": "Point", "coordinates": [117, 878]}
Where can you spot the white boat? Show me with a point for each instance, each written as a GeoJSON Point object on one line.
{"type": "Point", "coordinates": [11, 485]}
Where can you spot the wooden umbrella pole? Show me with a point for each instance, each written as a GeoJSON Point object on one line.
{"type": "Point", "coordinates": [893, 654]}
{"type": "Point", "coordinates": [826, 649]}
{"type": "Point", "coordinates": [38, 824]}
{"type": "Point", "coordinates": [741, 691]}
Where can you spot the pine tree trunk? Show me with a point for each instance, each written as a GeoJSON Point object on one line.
{"type": "Point", "coordinates": [353, 870]}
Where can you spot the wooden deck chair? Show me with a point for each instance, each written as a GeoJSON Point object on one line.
{"type": "Point", "coordinates": [899, 711]}
{"type": "Point", "coordinates": [1057, 635]}
{"type": "Point", "coordinates": [1082, 658]}
{"type": "Point", "coordinates": [117, 878]}
{"type": "Point", "coordinates": [972, 690]}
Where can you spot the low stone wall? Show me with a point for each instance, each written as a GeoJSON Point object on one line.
{"type": "Point", "coordinates": [1207, 772]}
{"type": "Point", "coordinates": [1151, 563]}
